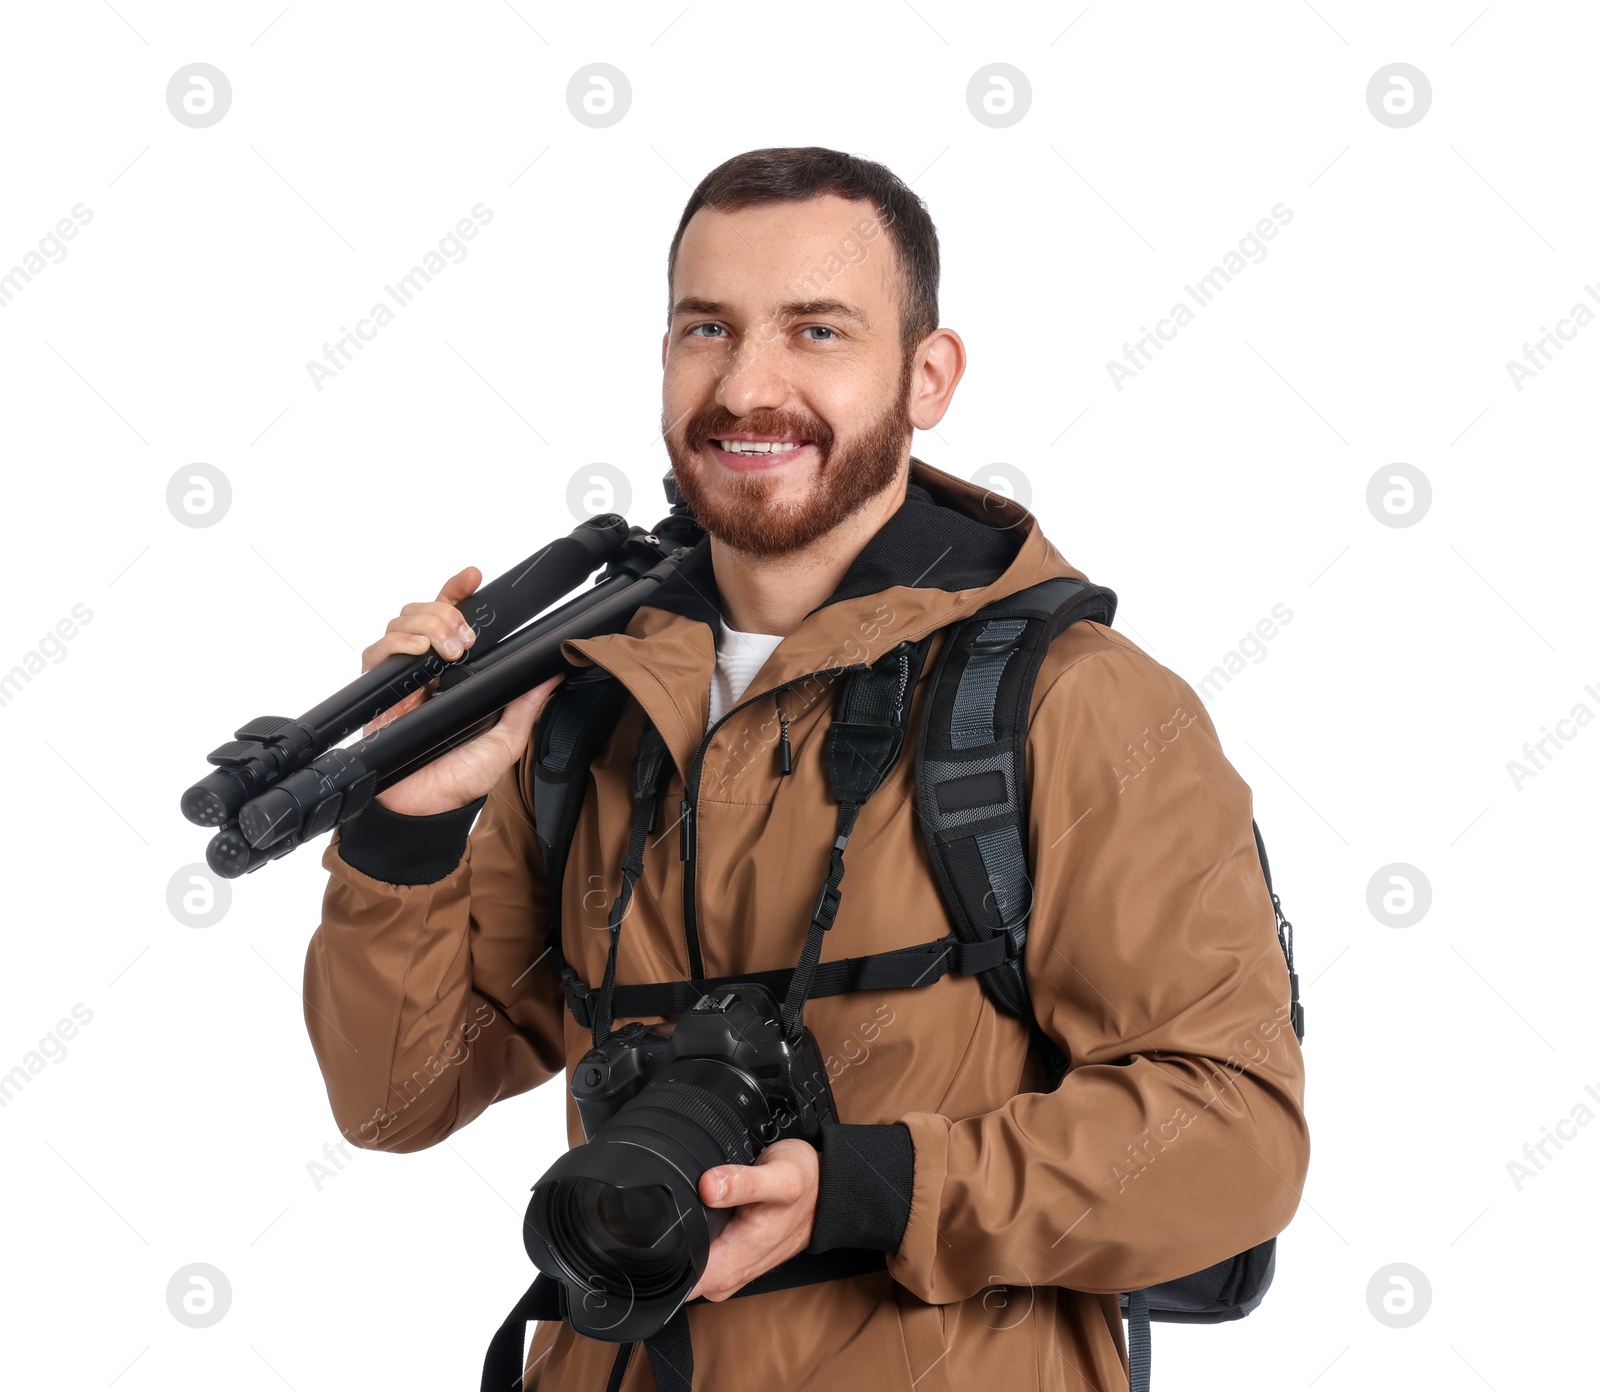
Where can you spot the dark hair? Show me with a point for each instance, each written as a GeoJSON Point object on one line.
{"type": "Point", "coordinates": [795, 174]}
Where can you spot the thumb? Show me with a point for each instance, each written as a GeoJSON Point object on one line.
{"type": "Point", "coordinates": [516, 720]}
{"type": "Point", "coordinates": [715, 1187]}
{"type": "Point", "coordinates": [461, 584]}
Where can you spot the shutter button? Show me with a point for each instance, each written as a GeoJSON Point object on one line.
{"type": "Point", "coordinates": [593, 1077]}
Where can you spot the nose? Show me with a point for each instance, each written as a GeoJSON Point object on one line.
{"type": "Point", "coordinates": [754, 380]}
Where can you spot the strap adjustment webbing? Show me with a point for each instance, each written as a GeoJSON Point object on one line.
{"type": "Point", "coordinates": [650, 764]}
{"type": "Point", "coordinates": [1138, 1342]}
{"type": "Point", "coordinates": [861, 746]}
{"type": "Point", "coordinates": [898, 968]}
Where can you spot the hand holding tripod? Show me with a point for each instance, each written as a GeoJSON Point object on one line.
{"type": "Point", "coordinates": [280, 782]}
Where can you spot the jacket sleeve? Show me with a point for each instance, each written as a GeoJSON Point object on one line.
{"type": "Point", "coordinates": [427, 989]}
{"type": "Point", "coordinates": [1177, 1139]}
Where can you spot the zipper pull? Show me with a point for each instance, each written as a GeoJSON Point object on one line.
{"type": "Point", "coordinates": [685, 818]}
{"type": "Point", "coordinates": [785, 755]}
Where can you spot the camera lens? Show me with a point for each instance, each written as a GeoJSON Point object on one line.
{"type": "Point", "coordinates": [619, 1220]}
{"type": "Point", "coordinates": [631, 1218]}
{"type": "Point", "coordinates": [628, 1237]}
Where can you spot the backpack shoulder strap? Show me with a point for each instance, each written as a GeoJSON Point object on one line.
{"type": "Point", "coordinates": [971, 770]}
{"type": "Point", "coordinates": [573, 728]}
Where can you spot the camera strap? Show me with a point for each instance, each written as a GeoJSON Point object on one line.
{"type": "Point", "coordinates": [650, 764]}
{"type": "Point", "coordinates": [861, 746]}
{"type": "Point", "coordinates": [670, 1350]}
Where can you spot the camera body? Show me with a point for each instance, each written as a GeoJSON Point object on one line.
{"type": "Point", "coordinates": [784, 1091]}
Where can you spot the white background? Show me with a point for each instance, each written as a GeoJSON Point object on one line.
{"type": "Point", "coordinates": [1229, 476]}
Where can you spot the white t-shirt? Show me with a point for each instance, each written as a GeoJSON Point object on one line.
{"type": "Point", "coordinates": [739, 658]}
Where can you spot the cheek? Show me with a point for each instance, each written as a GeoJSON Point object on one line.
{"type": "Point", "coordinates": [674, 401]}
{"type": "Point", "coordinates": [688, 384]}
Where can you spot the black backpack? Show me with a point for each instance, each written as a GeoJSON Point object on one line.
{"type": "Point", "coordinates": [973, 809]}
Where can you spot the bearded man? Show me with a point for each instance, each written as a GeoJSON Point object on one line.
{"type": "Point", "coordinates": [997, 1216]}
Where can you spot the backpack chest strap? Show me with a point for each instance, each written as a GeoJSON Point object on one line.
{"type": "Point", "coordinates": [899, 968]}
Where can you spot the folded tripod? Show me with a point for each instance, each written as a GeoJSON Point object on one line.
{"type": "Point", "coordinates": [280, 782]}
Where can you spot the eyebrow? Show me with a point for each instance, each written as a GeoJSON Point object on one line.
{"type": "Point", "coordinates": [790, 309]}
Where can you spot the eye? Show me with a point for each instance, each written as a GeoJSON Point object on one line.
{"type": "Point", "coordinates": [692, 330]}
{"type": "Point", "coordinates": [820, 328]}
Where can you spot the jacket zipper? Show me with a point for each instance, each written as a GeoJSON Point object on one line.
{"type": "Point", "coordinates": [686, 809]}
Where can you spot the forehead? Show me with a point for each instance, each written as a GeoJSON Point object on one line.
{"type": "Point", "coordinates": [752, 258]}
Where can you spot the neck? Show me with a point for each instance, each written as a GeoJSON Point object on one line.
{"type": "Point", "coordinates": [772, 594]}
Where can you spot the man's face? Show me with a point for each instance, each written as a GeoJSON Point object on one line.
{"type": "Point", "coordinates": [785, 392]}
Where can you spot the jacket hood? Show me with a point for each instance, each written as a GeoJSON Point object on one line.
{"type": "Point", "coordinates": [950, 548]}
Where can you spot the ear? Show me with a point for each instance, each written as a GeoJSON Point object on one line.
{"type": "Point", "coordinates": [666, 338]}
{"type": "Point", "coordinates": [941, 359]}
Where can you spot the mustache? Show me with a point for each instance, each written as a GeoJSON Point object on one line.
{"type": "Point", "coordinates": [714, 424]}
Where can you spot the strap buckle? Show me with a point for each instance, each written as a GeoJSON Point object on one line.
{"type": "Point", "coordinates": [827, 905]}
{"type": "Point", "coordinates": [1009, 634]}
{"type": "Point", "coordinates": [578, 993]}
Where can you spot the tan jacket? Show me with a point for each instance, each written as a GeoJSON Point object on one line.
{"type": "Point", "coordinates": [1176, 1140]}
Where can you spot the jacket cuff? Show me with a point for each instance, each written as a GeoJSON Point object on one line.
{"type": "Point", "coordinates": [405, 850]}
{"type": "Point", "coordinates": [864, 1187]}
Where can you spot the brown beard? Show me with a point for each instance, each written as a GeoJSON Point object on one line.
{"type": "Point", "coordinates": [847, 478]}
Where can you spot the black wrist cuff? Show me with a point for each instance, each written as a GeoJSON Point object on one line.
{"type": "Point", "coordinates": [405, 850]}
{"type": "Point", "coordinates": [864, 1188]}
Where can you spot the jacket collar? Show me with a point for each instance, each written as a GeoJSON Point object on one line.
{"type": "Point", "coordinates": [924, 540]}
{"type": "Point", "coordinates": [950, 548]}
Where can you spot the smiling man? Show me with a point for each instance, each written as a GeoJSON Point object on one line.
{"type": "Point", "coordinates": [971, 1217]}
{"type": "Point", "coordinates": [788, 419]}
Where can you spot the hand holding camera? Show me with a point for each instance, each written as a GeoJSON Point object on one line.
{"type": "Point", "coordinates": [775, 1203]}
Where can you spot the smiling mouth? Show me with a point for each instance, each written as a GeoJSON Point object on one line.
{"type": "Point", "coordinates": [759, 449]}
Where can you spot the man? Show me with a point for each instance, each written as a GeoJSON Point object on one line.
{"type": "Point", "coordinates": [802, 349]}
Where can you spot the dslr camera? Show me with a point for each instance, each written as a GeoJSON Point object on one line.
{"type": "Point", "coordinates": [618, 1221]}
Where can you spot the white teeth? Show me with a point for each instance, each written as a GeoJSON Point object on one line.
{"type": "Point", "coordinates": [757, 447]}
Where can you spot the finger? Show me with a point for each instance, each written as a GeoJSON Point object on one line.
{"type": "Point", "coordinates": [423, 618]}
{"type": "Point", "coordinates": [725, 1186]}
{"type": "Point", "coordinates": [448, 612]}
{"type": "Point", "coordinates": [461, 584]}
{"type": "Point", "coordinates": [713, 1187]}
{"type": "Point", "coordinates": [516, 720]}
{"type": "Point", "coordinates": [390, 644]}
{"type": "Point", "coordinates": [448, 637]}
